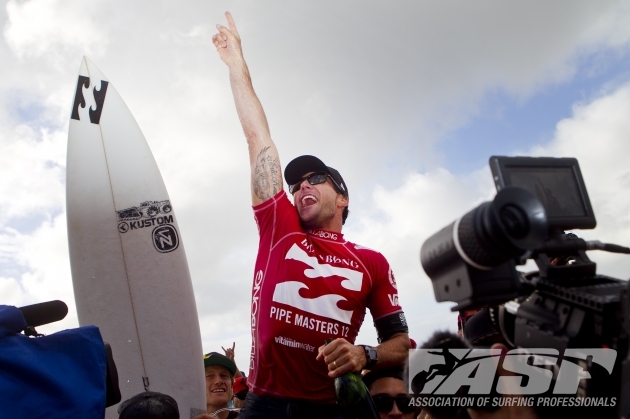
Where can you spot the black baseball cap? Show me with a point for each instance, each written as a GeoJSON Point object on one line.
{"type": "Point", "coordinates": [394, 372]}
{"type": "Point", "coordinates": [299, 166]}
{"type": "Point", "coordinates": [149, 405]}
{"type": "Point", "coordinates": [215, 358]}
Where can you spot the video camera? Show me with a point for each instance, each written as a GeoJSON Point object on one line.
{"type": "Point", "coordinates": [70, 373]}
{"type": "Point", "coordinates": [565, 304]}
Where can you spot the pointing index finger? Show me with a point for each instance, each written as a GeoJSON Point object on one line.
{"type": "Point", "coordinates": [231, 23]}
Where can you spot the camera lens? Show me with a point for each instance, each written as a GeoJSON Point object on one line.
{"type": "Point", "coordinates": [489, 235]}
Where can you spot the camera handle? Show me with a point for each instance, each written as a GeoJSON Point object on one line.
{"type": "Point", "coordinates": [563, 256]}
{"type": "Point", "coordinates": [581, 267]}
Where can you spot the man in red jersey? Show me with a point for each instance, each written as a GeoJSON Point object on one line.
{"type": "Point", "coordinates": [310, 284]}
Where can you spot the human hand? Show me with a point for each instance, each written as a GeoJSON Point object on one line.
{"type": "Point", "coordinates": [229, 352]}
{"type": "Point", "coordinates": [228, 42]}
{"type": "Point", "coordinates": [341, 357]}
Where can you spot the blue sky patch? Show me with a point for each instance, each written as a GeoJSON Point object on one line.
{"type": "Point", "coordinates": [508, 123]}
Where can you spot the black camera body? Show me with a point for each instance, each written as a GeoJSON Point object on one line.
{"type": "Point", "coordinates": [565, 304]}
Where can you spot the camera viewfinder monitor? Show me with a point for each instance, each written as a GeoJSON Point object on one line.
{"type": "Point", "coordinates": [556, 182]}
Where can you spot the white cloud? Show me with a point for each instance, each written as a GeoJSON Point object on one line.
{"type": "Point", "coordinates": [33, 171]}
{"type": "Point", "coordinates": [12, 292]}
{"type": "Point", "coordinates": [611, 29]}
{"type": "Point", "coordinates": [52, 29]}
{"type": "Point", "coordinates": [197, 35]}
{"type": "Point", "coordinates": [45, 269]}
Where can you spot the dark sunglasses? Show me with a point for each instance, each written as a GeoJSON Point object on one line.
{"type": "Point", "coordinates": [313, 179]}
{"type": "Point", "coordinates": [385, 403]}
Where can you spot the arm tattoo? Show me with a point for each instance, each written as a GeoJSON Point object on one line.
{"type": "Point", "coordinates": [265, 175]}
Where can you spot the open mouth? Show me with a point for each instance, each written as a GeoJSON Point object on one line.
{"type": "Point", "coordinates": [308, 200]}
{"type": "Point", "coordinates": [218, 390]}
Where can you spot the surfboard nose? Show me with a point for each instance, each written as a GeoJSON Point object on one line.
{"type": "Point", "coordinates": [83, 68]}
{"type": "Point", "coordinates": [92, 71]}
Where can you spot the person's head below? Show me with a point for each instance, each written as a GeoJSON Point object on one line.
{"type": "Point", "coordinates": [319, 193]}
{"type": "Point", "coordinates": [387, 389]}
{"type": "Point", "coordinates": [149, 405]}
{"type": "Point", "coordinates": [219, 371]}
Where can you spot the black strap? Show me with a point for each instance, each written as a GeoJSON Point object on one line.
{"type": "Point", "coordinates": [389, 325]}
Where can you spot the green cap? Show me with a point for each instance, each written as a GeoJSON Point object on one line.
{"type": "Point", "coordinates": [215, 358]}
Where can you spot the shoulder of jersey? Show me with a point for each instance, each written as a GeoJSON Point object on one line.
{"type": "Point", "coordinates": [359, 247]}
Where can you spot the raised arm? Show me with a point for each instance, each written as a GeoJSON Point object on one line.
{"type": "Point", "coordinates": [263, 155]}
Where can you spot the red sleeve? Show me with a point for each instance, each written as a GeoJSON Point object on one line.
{"type": "Point", "coordinates": [275, 218]}
{"type": "Point", "coordinates": [383, 297]}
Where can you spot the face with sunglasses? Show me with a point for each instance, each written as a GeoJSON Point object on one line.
{"type": "Point", "coordinates": [390, 399]}
{"type": "Point", "coordinates": [318, 201]}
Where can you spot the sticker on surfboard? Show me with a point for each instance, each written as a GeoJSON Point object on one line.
{"type": "Point", "coordinates": [147, 209]}
{"type": "Point", "coordinates": [147, 214]}
{"type": "Point", "coordinates": [165, 238]}
{"type": "Point", "coordinates": [89, 99]}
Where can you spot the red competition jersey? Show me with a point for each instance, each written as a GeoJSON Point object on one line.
{"type": "Point", "coordinates": [308, 286]}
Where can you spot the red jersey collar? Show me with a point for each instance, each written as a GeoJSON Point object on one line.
{"type": "Point", "coordinates": [329, 235]}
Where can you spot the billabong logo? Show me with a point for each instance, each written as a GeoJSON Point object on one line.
{"type": "Point", "coordinates": [165, 238]}
{"type": "Point", "coordinates": [323, 234]}
{"type": "Point", "coordinates": [288, 292]}
{"type": "Point", "coordinates": [95, 99]}
{"type": "Point", "coordinates": [444, 371]}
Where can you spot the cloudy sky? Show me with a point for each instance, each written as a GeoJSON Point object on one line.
{"type": "Point", "coordinates": [407, 99]}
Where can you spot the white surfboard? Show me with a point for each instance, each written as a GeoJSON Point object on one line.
{"type": "Point", "coordinates": [129, 268]}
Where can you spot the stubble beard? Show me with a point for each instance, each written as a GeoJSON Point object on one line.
{"type": "Point", "coordinates": [317, 221]}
